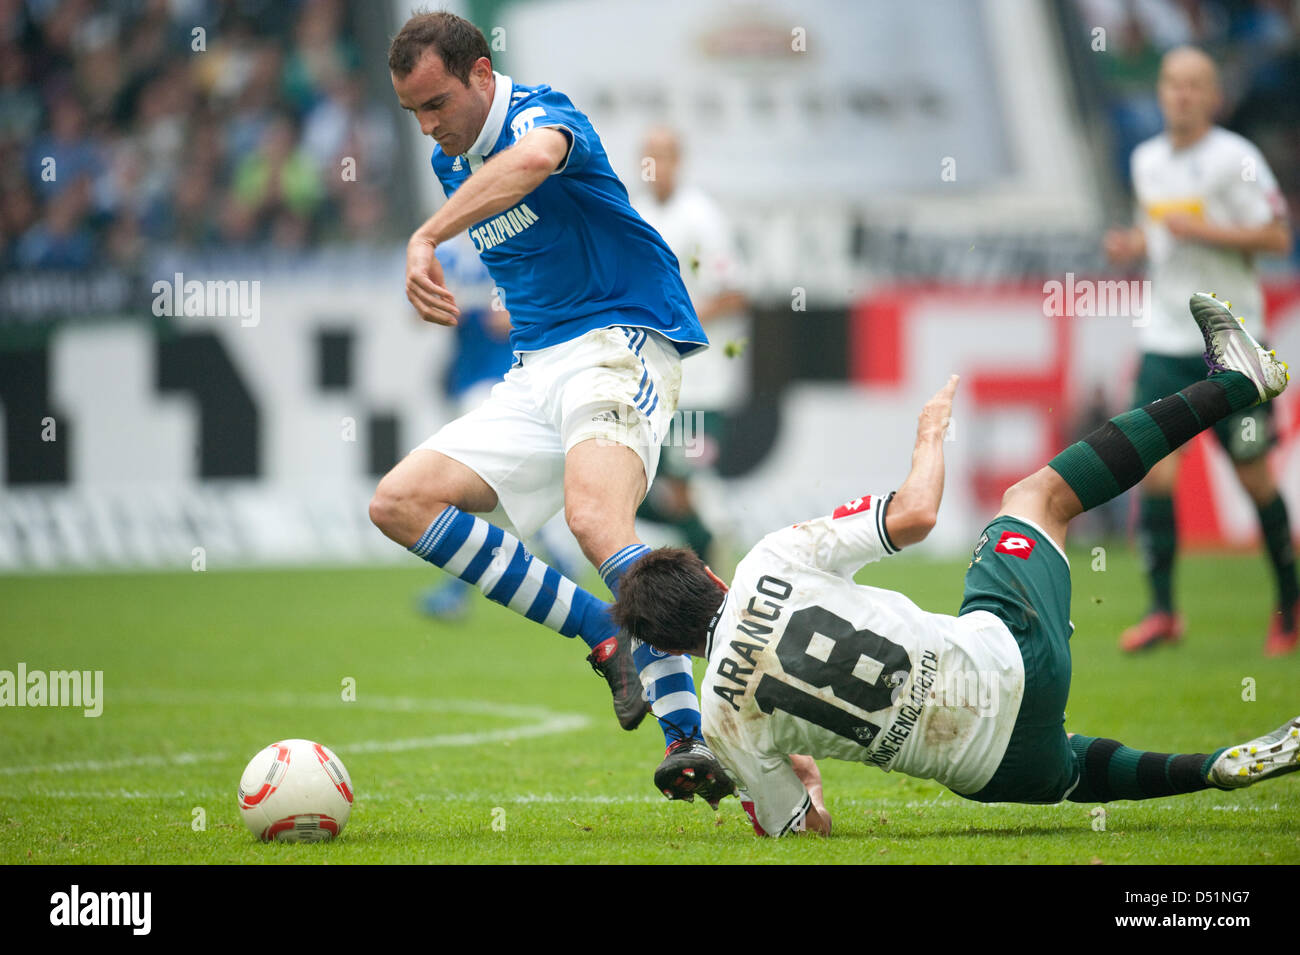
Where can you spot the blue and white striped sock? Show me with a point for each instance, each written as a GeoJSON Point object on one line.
{"type": "Point", "coordinates": [484, 555]}
{"type": "Point", "coordinates": [670, 685]}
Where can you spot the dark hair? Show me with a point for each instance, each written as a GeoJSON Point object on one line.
{"type": "Point", "coordinates": [667, 599]}
{"type": "Point", "coordinates": [457, 42]}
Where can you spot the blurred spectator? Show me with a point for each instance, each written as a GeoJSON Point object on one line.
{"type": "Point", "coordinates": [341, 125]}
{"type": "Point", "coordinates": [280, 180]}
{"type": "Point", "coordinates": [20, 107]}
{"type": "Point", "coordinates": [364, 212]}
{"type": "Point", "coordinates": [18, 212]}
{"type": "Point", "coordinates": [124, 245]}
{"type": "Point", "coordinates": [61, 239]}
{"type": "Point", "coordinates": [255, 107]}
{"type": "Point", "coordinates": [192, 214]}
{"type": "Point", "coordinates": [67, 152]}
{"type": "Point", "coordinates": [322, 55]}
{"type": "Point", "coordinates": [101, 81]}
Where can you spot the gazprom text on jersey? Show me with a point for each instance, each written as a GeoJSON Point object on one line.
{"type": "Point", "coordinates": [504, 226]}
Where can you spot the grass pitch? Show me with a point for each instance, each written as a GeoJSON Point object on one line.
{"type": "Point", "coordinates": [490, 740]}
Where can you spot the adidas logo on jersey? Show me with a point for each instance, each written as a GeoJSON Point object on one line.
{"type": "Point", "coordinates": [1018, 545]}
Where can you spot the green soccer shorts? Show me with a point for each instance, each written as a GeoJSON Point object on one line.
{"type": "Point", "coordinates": [1245, 435]}
{"type": "Point", "coordinates": [1018, 574]}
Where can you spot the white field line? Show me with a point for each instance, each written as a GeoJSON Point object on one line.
{"type": "Point", "coordinates": [544, 722]}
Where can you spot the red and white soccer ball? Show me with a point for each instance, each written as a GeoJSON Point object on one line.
{"type": "Point", "coordinates": [295, 791]}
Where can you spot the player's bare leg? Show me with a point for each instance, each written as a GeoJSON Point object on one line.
{"type": "Point", "coordinates": [1044, 499]}
{"type": "Point", "coordinates": [419, 488]}
{"type": "Point", "coordinates": [604, 482]}
{"type": "Point", "coordinates": [426, 504]}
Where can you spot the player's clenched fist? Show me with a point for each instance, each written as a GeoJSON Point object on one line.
{"type": "Point", "coordinates": [424, 283]}
{"type": "Point", "coordinates": [937, 411]}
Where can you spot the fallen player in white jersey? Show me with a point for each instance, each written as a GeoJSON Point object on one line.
{"type": "Point", "coordinates": [801, 660]}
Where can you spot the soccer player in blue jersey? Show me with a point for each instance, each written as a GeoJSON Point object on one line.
{"type": "Point", "coordinates": [600, 322]}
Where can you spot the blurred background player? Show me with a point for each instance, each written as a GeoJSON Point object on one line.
{"type": "Point", "coordinates": [1208, 204]}
{"type": "Point", "coordinates": [481, 358]}
{"type": "Point", "coordinates": [697, 230]}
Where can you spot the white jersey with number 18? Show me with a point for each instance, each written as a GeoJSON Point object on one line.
{"type": "Point", "coordinates": [803, 660]}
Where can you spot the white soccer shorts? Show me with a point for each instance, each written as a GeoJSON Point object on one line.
{"type": "Point", "coordinates": [612, 384]}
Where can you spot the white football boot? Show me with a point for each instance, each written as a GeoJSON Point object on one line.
{"type": "Point", "coordinates": [1262, 758]}
{"type": "Point", "coordinates": [1229, 347]}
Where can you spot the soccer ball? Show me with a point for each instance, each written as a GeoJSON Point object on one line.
{"type": "Point", "coordinates": [295, 791]}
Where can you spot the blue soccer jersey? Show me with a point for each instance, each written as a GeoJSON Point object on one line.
{"type": "Point", "coordinates": [573, 255]}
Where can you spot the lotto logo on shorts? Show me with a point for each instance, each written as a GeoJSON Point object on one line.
{"type": "Point", "coordinates": [855, 506]}
{"type": "Point", "coordinates": [1017, 545]}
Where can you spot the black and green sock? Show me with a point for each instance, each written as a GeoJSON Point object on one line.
{"type": "Point", "coordinates": [1110, 770]}
{"type": "Point", "coordinates": [1158, 542]}
{"type": "Point", "coordinates": [1276, 527]}
{"type": "Point", "coordinates": [1119, 454]}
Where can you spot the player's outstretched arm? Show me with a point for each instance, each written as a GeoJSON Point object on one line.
{"type": "Point", "coordinates": [501, 182]}
{"type": "Point", "coordinates": [914, 509]}
{"type": "Point", "coordinates": [818, 819]}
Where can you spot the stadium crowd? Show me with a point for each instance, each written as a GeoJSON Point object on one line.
{"type": "Point", "coordinates": [127, 126]}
